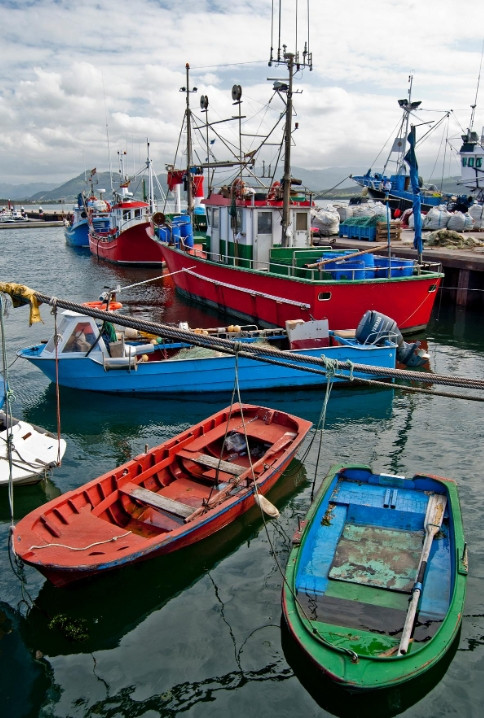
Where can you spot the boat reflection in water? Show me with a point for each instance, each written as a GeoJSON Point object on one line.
{"type": "Point", "coordinates": [102, 611]}
{"type": "Point", "coordinates": [374, 704]}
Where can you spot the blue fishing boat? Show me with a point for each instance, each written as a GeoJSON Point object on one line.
{"type": "Point", "coordinates": [76, 225]}
{"type": "Point", "coordinates": [96, 357]}
{"type": "Point", "coordinates": [393, 182]}
{"type": "Point", "coordinates": [375, 582]}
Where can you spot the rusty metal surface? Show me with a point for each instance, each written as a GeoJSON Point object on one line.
{"type": "Point", "coordinates": [380, 557]}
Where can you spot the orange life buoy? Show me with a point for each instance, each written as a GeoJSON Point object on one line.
{"type": "Point", "coordinates": [111, 307]}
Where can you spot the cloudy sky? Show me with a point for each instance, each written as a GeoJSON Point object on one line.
{"type": "Point", "coordinates": [81, 82]}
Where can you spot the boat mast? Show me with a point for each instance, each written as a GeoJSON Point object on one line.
{"type": "Point", "coordinates": [286, 180]}
{"type": "Point", "coordinates": [151, 198]}
{"type": "Point", "coordinates": [294, 62]}
{"type": "Point", "coordinates": [188, 116]}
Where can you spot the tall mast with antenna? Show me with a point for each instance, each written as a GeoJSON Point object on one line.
{"type": "Point", "coordinates": [188, 116]}
{"type": "Point", "coordinates": [294, 63]}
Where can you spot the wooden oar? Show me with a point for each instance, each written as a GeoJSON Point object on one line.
{"type": "Point", "coordinates": [433, 522]}
{"type": "Point", "coordinates": [346, 256]}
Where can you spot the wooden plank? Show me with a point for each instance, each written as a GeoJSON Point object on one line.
{"type": "Point", "coordinates": [214, 463]}
{"type": "Point", "coordinates": [155, 500]}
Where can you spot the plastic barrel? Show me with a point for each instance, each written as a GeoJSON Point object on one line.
{"type": "Point", "coordinates": [350, 269]}
{"type": "Point", "coordinates": [176, 234]}
{"type": "Point", "coordinates": [163, 234]}
{"type": "Point", "coordinates": [184, 224]}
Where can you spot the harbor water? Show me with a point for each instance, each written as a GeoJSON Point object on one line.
{"type": "Point", "coordinates": [199, 633]}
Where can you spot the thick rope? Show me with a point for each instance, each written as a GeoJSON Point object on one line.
{"type": "Point", "coordinates": [265, 354]}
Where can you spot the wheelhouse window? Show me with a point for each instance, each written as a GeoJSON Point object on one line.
{"type": "Point", "coordinates": [264, 223]}
{"type": "Point", "coordinates": [301, 221]}
{"type": "Point", "coordinates": [479, 162]}
{"type": "Point", "coordinates": [126, 214]}
{"type": "Point", "coordinates": [81, 339]}
{"type": "Point", "coordinates": [236, 222]}
{"type": "Point", "coordinates": [215, 218]}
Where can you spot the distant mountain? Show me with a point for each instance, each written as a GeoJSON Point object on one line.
{"type": "Point", "coordinates": [331, 182]}
{"type": "Point", "coordinates": [23, 191]}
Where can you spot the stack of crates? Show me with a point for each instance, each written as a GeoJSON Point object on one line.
{"type": "Point", "coordinates": [382, 231]}
{"type": "Point", "coordinates": [360, 228]}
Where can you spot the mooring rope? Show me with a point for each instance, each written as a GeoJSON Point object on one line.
{"type": "Point", "coordinates": [270, 355]}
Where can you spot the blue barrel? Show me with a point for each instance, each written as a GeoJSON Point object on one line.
{"type": "Point", "coordinates": [183, 222]}
{"type": "Point", "coordinates": [369, 262]}
{"type": "Point", "coordinates": [175, 234]}
{"type": "Point", "coordinates": [402, 267]}
{"type": "Point", "coordinates": [349, 269]}
{"type": "Point", "coordinates": [381, 266]}
{"type": "Point", "coordinates": [163, 234]}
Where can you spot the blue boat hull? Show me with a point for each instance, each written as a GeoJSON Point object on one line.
{"type": "Point", "coordinates": [78, 234]}
{"type": "Point", "coordinates": [213, 374]}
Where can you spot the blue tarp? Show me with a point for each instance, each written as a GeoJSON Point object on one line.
{"type": "Point", "coordinates": [411, 160]}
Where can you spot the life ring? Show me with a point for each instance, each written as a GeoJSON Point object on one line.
{"type": "Point", "coordinates": [273, 190]}
{"type": "Point", "coordinates": [111, 307]}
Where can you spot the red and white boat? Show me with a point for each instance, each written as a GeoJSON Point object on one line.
{"type": "Point", "coordinates": [172, 496]}
{"type": "Point", "coordinates": [259, 263]}
{"type": "Point", "coordinates": [121, 232]}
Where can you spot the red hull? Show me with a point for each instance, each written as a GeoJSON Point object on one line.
{"type": "Point", "coordinates": [171, 497]}
{"type": "Point", "coordinates": [272, 300]}
{"type": "Point", "coordinates": [133, 246]}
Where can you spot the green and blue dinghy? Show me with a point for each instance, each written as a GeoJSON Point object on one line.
{"type": "Point", "coordinates": [375, 583]}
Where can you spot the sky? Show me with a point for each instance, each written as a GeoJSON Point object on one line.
{"type": "Point", "coordinates": [84, 83]}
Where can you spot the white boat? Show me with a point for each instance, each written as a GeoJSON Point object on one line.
{"type": "Point", "coordinates": [33, 451]}
{"type": "Point", "coordinates": [27, 451]}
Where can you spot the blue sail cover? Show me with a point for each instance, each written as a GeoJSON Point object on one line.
{"type": "Point", "coordinates": [411, 159]}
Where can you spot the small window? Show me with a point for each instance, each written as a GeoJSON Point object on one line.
{"type": "Point", "coordinates": [301, 221]}
{"type": "Point", "coordinates": [81, 339]}
{"type": "Point", "coordinates": [126, 214]}
{"type": "Point", "coordinates": [478, 162]}
{"type": "Point", "coordinates": [470, 162]}
{"type": "Point", "coordinates": [215, 218]}
{"type": "Point", "coordinates": [264, 223]}
{"type": "Point", "coordinates": [464, 162]}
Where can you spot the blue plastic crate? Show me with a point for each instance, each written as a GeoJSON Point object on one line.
{"type": "Point", "coordinates": [353, 231]}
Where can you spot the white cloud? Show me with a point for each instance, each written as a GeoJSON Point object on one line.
{"type": "Point", "coordinates": [73, 75]}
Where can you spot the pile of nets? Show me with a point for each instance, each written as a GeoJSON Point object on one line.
{"type": "Point", "coordinates": [449, 238]}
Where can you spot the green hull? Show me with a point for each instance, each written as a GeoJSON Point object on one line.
{"type": "Point", "coordinates": [360, 564]}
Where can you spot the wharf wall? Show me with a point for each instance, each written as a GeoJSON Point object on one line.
{"type": "Point", "coordinates": [463, 283]}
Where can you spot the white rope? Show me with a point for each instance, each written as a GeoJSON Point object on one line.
{"type": "Point", "coordinates": [79, 548]}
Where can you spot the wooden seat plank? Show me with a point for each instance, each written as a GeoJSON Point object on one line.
{"type": "Point", "coordinates": [214, 463]}
{"type": "Point", "coordinates": [157, 501]}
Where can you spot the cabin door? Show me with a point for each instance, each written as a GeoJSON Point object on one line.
{"type": "Point", "coordinates": [262, 239]}
{"type": "Point", "coordinates": [301, 228]}
{"type": "Point", "coordinates": [215, 234]}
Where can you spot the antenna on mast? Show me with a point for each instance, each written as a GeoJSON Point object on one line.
{"type": "Point", "coordinates": [473, 107]}
{"type": "Point", "coordinates": [293, 62]}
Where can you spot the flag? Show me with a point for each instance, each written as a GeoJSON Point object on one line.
{"type": "Point", "coordinates": [411, 159]}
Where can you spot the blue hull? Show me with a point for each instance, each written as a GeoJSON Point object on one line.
{"type": "Point", "coordinates": [401, 194]}
{"type": "Point", "coordinates": [355, 565]}
{"type": "Point", "coordinates": [78, 234]}
{"type": "Point", "coordinates": [198, 376]}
